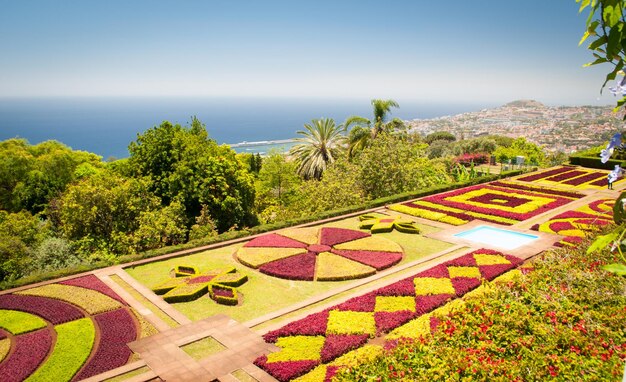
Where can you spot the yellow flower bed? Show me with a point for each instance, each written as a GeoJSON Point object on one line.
{"type": "Point", "coordinates": [431, 286]}
{"type": "Point", "coordinates": [297, 348]}
{"type": "Point", "coordinates": [90, 300]}
{"type": "Point", "coordinates": [349, 322]}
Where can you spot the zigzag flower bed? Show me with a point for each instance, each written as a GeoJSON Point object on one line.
{"type": "Point", "coordinates": [66, 331]}
{"type": "Point", "coordinates": [322, 254]}
{"type": "Point", "coordinates": [574, 225]}
{"type": "Point", "coordinates": [497, 202]}
{"type": "Point", "coordinates": [313, 344]}
{"type": "Point", "coordinates": [577, 177]}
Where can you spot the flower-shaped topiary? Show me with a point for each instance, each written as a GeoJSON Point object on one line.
{"type": "Point", "coordinates": [378, 223]}
{"type": "Point", "coordinates": [322, 254]}
{"type": "Point", "coordinates": [220, 284]}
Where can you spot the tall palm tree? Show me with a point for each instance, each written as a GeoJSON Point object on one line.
{"type": "Point", "coordinates": [322, 143]}
{"type": "Point", "coordinates": [362, 130]}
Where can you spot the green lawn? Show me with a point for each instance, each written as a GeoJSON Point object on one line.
{"type": "Point", "coordinates": [263, 294]}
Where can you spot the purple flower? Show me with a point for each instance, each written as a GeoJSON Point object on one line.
{"type": "Point", "coordinates": [615, 141]}
{"type": "Point", "coordinates": [620, 88]}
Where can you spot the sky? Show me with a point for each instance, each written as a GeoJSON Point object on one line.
{"type": "Point", "coordinates": [490, 51]}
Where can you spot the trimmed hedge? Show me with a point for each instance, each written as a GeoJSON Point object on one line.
{"type": "Point", "coordinates": [231, 235]}
{"type": "Point", "coordinates": [595, 162]}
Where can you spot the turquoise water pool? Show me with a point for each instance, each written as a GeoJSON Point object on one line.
{"type": "Point", "coordinates": [498, 237]}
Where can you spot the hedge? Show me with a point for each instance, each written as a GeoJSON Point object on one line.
{"type": "Point", "coordinates": [231, 235]}
{"type": "Point", "coordinates": [595, 162]}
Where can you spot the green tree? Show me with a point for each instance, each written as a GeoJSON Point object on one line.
{"type": "Point", "coordinates": [439, 136]}
{"type": "Point", "coordinates": [161, 227]}
{"type": "Point", "coordinates": [403, 166]}
{"type": "Point", "coordinates": [363, 130]}
{"type": "Point", "coordinates": [20, 232]}
{"type": "Point", "coordinates": [532, 153]}
{"type": "Point", "coordinates": [182, 163]}
{"type": "Point", "coordinates": [276, 186]}
{"type": "Point", "coordinates": [322, 143]}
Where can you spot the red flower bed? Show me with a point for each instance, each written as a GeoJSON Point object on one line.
{"type": "Point", "coordinates": [336, 345]}
{"type": "Point", "coordinates": [94, 283]}
{"type": "Point", "coordinates": [545, 174]}
{"type": "Point", "coordinates": [387, 321]}
{"type": "Point", "coordinates": [438, 271]}
{"type": "Point", "coordinates": [509, 201]}
{"type": "Point", "coordinates": [364, 303]}
{"type": "Point", "coordinates": [275, 240]}
{"type": "Point", "coordinates": [223, 292]}
{"type": "Point", "coordinates": [566, 175]}
{"type": "Point", "coordinates": [401, 288]}
{"type": "Point", "coordinates": [3, 334]}
{"type": "Point", "coordinates": [312, 325]}
{"type": "Point", "coordinates": [378, 260]}
{"type": "Point", "coordinates": [585, 179]}
{"type": "Point", "coordinates": [201, 279]}
{"type": "Point", "coordinates": [425, 304]}
{"type": "Point", "coordinates": [333, 236]}
{"type": "Point", "coordinates": [299, 267]}
{"type": "Point", "coordinates": [52, 310]}
{"type": "Point", "coordinates": [30, 350]}
{"type": "Point", "coordinates": [286, 371]}
{"type": "Point", "coordinates": [463, 285]}
{"type": "Point", "coordinates": [117, 328]}
{"type": "Point", "coordinates": [469, 159]}
{"type": "Point", "coordinates": [603, 182]}
{"type": "Point", "coordinates": [507, 186]}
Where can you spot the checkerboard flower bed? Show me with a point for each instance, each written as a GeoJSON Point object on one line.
{"type": "Point", "coordinates": [370, 315]}
{"type": "Point", "coordinates": [496, 202]}
{"type": "Point", "coordinates": [322, 254]}
{"type": "Point", "coordinates": [576, 224]}
{"type": "Point", "coordinates": [59, 340]}
{"type": "Point", "coordinates": [571, 176]}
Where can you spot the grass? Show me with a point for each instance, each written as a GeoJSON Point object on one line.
{"type": "Point", "coordinates": [130, 374]}
{"type": "Point", "coordinates": [74, 342]}
{"type": "Point", "coordinates": [263, 294]}
{"type": "Point", "coordinates": [242, 376]}
{"type": "Point", "coordinates": [203, 348]}
{"type": "Point", "coordinates": [145, 302]}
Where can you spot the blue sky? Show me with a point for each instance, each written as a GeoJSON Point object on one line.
{"type": "Point", "coordinates": [439, 51]}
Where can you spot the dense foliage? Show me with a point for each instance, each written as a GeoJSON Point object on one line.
{"type": "Point", "coordinates": [563, 321]}
{"type": "Point", "coordinates": [63, 208]}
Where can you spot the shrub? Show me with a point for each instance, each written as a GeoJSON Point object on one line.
{"type": "Point", "coordinates": [472, 159]}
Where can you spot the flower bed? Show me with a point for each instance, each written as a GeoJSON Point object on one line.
{"type": "Point", "coordinates": [375, 313]}
{"type": "Point", "coordinates": [29, 352]}
{"type": "Point", "coordinates": [54, 311]}
{"type": "Point", "coordinates": [571, 176]}
{"type": "Point", "coordinates": [40, 355]}
{"type": "Point", "coordinates": [576, 224]}
{"type": "Point", "coordinates": [564, 322]}
{"type": "Point", "coordinates": [378, 223]}
{"type": "Point", "coordinates": [323, 254]}
{"type": "Point", "coordinates": [117, 328]}
{"type": "Point", "coordinates": [184, 289]}
{"type": "Point", "coordinates": [90, 300]}
{"type": "Point", "coordinates": [19, 322]}
{"type": "Point", "coordinates": [497, 202]}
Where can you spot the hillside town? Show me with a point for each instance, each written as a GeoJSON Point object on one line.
{"type": "Point", "coordinates": [560, 128]}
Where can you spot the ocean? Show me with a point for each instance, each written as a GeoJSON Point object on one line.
{"type": "Point", "coordinates": [106, 126]}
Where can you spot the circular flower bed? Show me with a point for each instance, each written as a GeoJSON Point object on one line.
{"type": "Point", "coordinates": [322, 254]}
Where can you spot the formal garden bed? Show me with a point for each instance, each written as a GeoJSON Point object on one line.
{"type": "Point", "coordinates": [69, 330]}
{"type": "Point", "coordinates": [576, 224]}
{"type": "Point", "coordinates": [320, 338]}
{"type": "Point", "coordinates": [503, 203]}
{"type": "Point", "coordinates": [571, 177]}
{"type": "Point", "coordinates": [283, 292]}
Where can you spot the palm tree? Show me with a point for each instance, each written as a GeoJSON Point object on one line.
{"type": "Point", "coordinates": [321, 145]}
{"type": "Point", "coordinates": [362, 130]}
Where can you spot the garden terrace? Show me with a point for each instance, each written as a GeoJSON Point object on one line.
{"type": "Point", "coordinates": [319, 298]}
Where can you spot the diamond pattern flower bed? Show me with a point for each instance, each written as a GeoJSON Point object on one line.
{"type": "Point", "coordinates": [496, 202]}
{"type": "Point", "coordinates": [335, 331]}
{"type": "Point", "coordinates": [322, 254]}
{"type": "Point", "coordinates": [66, 331]}
{"type": "Point", "coordinates": [577, 177]}
{"type": "Point", "coordinates": [574, 225]}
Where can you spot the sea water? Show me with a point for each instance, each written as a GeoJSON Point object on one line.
{"type": "Point", "coordinates": [106, 126]}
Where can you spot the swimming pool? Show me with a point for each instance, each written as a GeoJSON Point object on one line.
{"type": "Point", "coordinates": [501, 238]}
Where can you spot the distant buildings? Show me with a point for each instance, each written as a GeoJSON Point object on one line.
{"type": "Point", "coordinates": [561, 128]}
